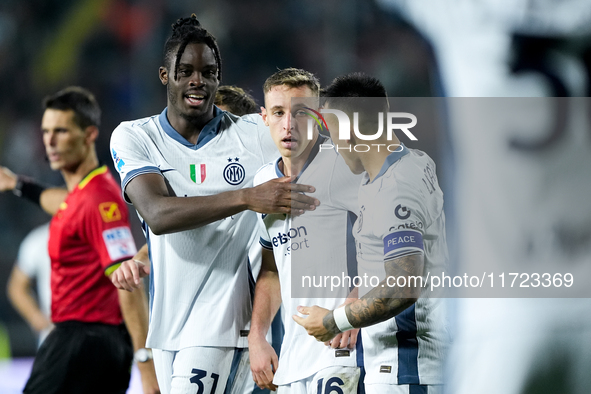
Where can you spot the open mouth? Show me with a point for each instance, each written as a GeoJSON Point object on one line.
{"type": "Point", "coordinates": [289, 142]}
{"type": "Point", "coordinates": [195, 99]}
{"type": "Point", "coordinates": [53, 156]}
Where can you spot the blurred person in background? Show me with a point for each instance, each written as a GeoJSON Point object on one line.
{"type": "Point", "coordinates": [235, 100]}
{"type": "Point", "coordinates": [33, 265]}
{"type": "Point", "coordinates": [90, 349]}
{"type": "Point", "coordinates": [517, 75]}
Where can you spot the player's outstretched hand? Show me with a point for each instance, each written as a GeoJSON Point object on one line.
{"type": "Point", "coordinates": [128, 275]}
{"type": "Point", "coordinates": [263, 362]}
{"type": "Point", "coordinates": [281, 196]}
{"type": "Point", "coordinates": [314, 322]}
{"type": "Point", "coordinates": [8, 179]}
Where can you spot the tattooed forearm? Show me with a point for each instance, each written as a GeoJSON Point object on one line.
{"type": "Point", "coordinates": [329, 323]}
{"type": "Point", "coordinates": [383, 301]}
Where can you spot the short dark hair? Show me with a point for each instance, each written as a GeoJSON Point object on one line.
{"type": "Point", "coordinates": [294, 78]}
{"type": "Point", "coordinates": [186, 31]}
{"type": "Point", "coordinates": [236, 99]}
{"type": "Point", "coordinates": [355, 85]}
{"type": "Point", "coordinates": [356, 92]}
{"type": "Point", "coordinates": [86, 109]}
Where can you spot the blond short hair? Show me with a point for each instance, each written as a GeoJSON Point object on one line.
{"type": "Point", "coordinates": [294, 78]}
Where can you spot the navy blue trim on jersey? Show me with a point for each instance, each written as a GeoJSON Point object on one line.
{"type": "Point", "coordinates": [408, 347]}
{"type": "Point", "coordinates": [351, 251]}
{"type": "Point", "coordinates": [233, 370]}
{"type": "Point", "coordinates": [391, 159]}
{"type": "Point", "coordinates": [151, 292]}
{"type": "Point", "coordinates": [132, 174]}
{"type": "Point", "coordinates": [315, 149]}
{"type": "Point", "coordinates": [265, 244]}
{"type": "Point", "coordinates": [313, 152]}
{"type": "Point", "coordinates": [277, 332]}
{"type": "Point", "coordinates": [251, 281]}
{"type": "Point", "coordinates": [418, 389]}
{"type": "Point", "coordinates": [258, 390]}
{"type": "Point", "coordinates": [277, 170]}
{"type": "Point", "coordinates": [360, 363]}
{"type": "Point", "coordinates": [210, 130]}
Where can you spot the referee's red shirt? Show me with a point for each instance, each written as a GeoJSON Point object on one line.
{"type": "Point", "coordinates": [88, 235]}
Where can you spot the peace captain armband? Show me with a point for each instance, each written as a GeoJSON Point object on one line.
{"type": "Point", "coordinates": [403, 242]}
{"type": "Point", "coordinates": [341, 320]}
{"type": "Point", "coordinates": [29, 189]}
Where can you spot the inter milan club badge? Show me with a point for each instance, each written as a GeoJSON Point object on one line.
{"type": "Point", "coordinates": [234, 172]}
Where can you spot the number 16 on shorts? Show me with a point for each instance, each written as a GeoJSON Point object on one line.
{"type": "Point", "coordinates": [335, 380]}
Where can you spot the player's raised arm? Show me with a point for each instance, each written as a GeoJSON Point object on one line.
{"type": "Point", "coordinates": [166, 214]}
{"type": "Point", "coordinates": [48, 198]}
{"type": "Point", "coordinates": [8, 179]}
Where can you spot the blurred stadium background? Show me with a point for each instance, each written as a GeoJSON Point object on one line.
{"type": "Point", "coordinates": [114, 48]}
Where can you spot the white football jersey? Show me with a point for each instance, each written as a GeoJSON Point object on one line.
{"type": "Point", "coordinates": [313, 244]}
{"type": "Point", "coordinates": [401, 213]}
{"type": "Point", "coordinates": [199, 283]}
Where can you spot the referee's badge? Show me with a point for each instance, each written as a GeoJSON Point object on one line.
{"type": "Point", "coordinates": [109, 211]}
{"type": "Point", "coordinates": [198, 173]}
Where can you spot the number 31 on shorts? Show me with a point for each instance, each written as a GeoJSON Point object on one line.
{"type": "Point", "coordinates": [200, 374]}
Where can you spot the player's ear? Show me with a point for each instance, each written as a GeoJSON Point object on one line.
{"type": "Point", "coordinates": [92, 133]}
{"type": "Point", "coordinates": [264, 115]}
{"type": "Point", "coordinates": [351, 140]}
{"type": "Point", "coordinates": [163, 75]}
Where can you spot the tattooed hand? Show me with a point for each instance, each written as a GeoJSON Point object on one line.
{"type": "Point", "coordinates": [379, 304]}
{"type": "Point", "coordinates": [319, 323]}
